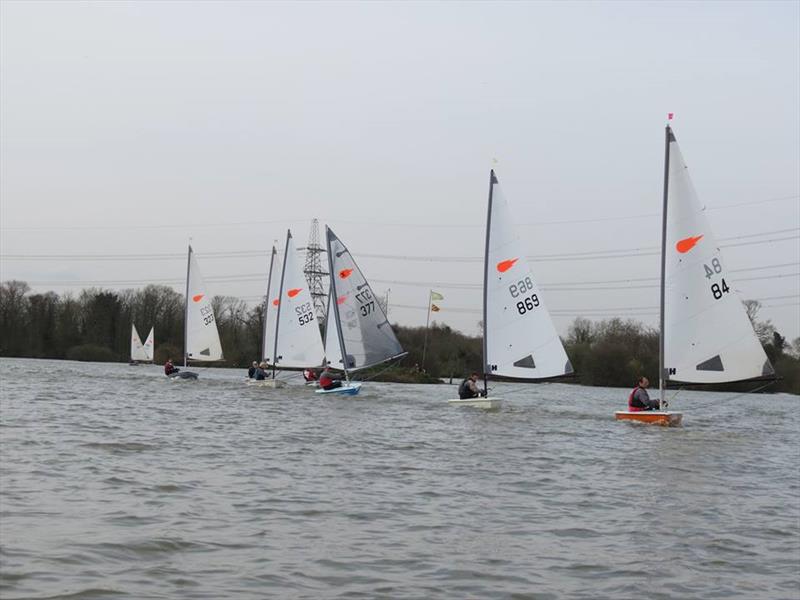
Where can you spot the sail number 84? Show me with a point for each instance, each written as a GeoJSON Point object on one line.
{"type": "Point", "coordinates": [717, 289]}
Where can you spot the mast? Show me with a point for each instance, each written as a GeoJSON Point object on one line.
{"type": "Point", "coordinates": [662, 384]}
{"type": "Point", "coordinates": [486, 368]}
{"type": "Point", "coordinates": [334, 303]}
{"type": "Point", "coordinates": [186, 311]}
{"type": "Point", "coordinates": [266, 304]}
{"type": "Point", "coordinates": [280, 302]}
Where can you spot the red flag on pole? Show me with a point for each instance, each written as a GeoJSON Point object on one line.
{"type": "Point", "coordinates": [669, 116]}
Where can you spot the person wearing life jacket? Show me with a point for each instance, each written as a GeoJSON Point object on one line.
{"type": "Point", "coordinates": [251, 372]}
{"type": "Point", "coordinates": [469, 388]}
{"type": "Point", "coordinates": [309, 375]}
{"type": "Point", "coordinates": [260, 374]}
{"type": "Point", "coordinates": [327, 380]}
{"type": "Point", "coordinates": [169, 368]}
{"type": "Point", "coordinates": [639, 399]}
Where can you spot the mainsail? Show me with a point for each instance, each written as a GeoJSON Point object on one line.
{"type": "Point", "coordinates": [333, 351]}
{"type": "Point", "coordinates": [149, 344]}
{"type": "Point", "coordinates": [519, 339]}
{"type": "Point", "coordinates": [137, 349]}
{"type": "Point", "coordinates": [298, 343]}
{"type": "Point", "coordinates": [271, 306]}
{"type": "Point", "coordinates": [365, 336]}
{"type": "Point", "coordinates": [707, 335]}
{"type": "Point", "coordinates": [201, 335]}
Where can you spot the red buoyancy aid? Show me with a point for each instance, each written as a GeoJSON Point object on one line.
{"type": "Point", "coordinates": [325, 381]}
{"type": "Point", "coordinates": [631, 407]}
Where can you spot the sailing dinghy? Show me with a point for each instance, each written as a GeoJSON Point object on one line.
{"type": "Point", "coordinates": [706, 336]}
{"type": "Point", "coordinates": [138, 353]}
{"type": "Point", "coordinates": [270, 318]}
{"type": "Point", "coordinates": [358, 334]}
{"type": "Point", "coordinates": [292, 341]}
{"type": "Point", "coordinates": [200, 336]}
{"type": "Point", "coordinates": [520, 342]}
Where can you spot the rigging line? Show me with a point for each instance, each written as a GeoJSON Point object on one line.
{"type": "Point", "coordinates": [371, 223]}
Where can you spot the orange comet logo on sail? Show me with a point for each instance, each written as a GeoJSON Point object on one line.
{"type": "Point", "coordinates": [293, 292]}
{"type": "Point", "coordinates": [198, 297]}
{"type": "Point", "coordinates": [505, 265]}
{"type": "Point", "coordinates": [276, 302]}
{"type": "Point", "coordinates": [345, 273]}
{"type": "Point", "coordinates": [341, 300]}
{"type": "Point", "coordinates": [684, 245]}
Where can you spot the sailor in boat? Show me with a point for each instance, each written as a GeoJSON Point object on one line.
{"type": "Point", "coordinates": [469, 388]}
{"type": "Point", "coordinates": [639, 399]}
{"type": "Point", "coordinates": [328, 381]}
{"type": "Point", "coordinates": [309, 375]}
{"type": "Point", "coordinates": [260, 372]}
{"type": "Point", "coordinates": [169, 368]}
{"type": "Point", "coordinates": [252, 370]}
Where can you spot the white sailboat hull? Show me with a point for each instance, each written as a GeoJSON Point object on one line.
{"type": "Point", "coordinates": [486, 403]}
{"type": "Point", "coordinates": [267, 383]}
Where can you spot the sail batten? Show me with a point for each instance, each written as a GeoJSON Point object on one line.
{"type": "Point", "coordinates": [520, 341]}
{"type": "Point", "coordinates": [707, 336]}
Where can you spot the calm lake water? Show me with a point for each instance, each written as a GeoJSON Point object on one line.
{"type": "Point", "coordinates": [117, 483]}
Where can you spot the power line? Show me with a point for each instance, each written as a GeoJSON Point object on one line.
{"type": "Point", "coordinates": [239, 254]}
{"type": "Point", "coordinates": [254, 223]}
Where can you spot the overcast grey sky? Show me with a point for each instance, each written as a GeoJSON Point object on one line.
{"type": "Point", "coordinates": [128, 128]}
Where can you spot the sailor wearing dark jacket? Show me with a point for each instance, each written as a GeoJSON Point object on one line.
{"type": "Point", "coordinates": [639, 399]}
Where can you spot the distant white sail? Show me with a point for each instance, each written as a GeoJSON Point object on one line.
{"type": "Point", "coordinates": [708, 337]}
{"type": "Point", "coordinates": [149, 345]}
{"type": "Point", "coordinates": [367, 338]}
{"type": "Point", "coordinates": [137, 349]}
{"type": "Point", "coordinates": [333, 351]}
{"type": "Point", "coordinates": [271, 306]}
{"type": "Point", "coordinates": [298, 342]}
{"type": "Point", "coordinates": [520, 340]}
{"type": "Point", "coordinates": [202, 337]}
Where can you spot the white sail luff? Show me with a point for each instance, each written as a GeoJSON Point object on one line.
{"type": "Point", "coordinates": [333, 351]}
{"type": "Point", "coordinates": [520, 340]}
{"type": "Point", "coordinates": [202, 337]}
{"type": "Point", "coordinates": [708, 337]}
{"type": "Point", "coordinates": [298, 341]}
{"type": "Point", "coordinates": [271, 306]}
{"type": "Point", "coordinates": [137, 348]}
{"type": "Point", "coordinates": [149, 345]}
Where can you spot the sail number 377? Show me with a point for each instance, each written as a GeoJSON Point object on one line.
{"type": "Point", "coordinates": [521, 290]}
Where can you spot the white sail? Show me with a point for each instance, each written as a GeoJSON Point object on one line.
{"type": "Point", "coordinates": [520, 340]}
{"type": "Point", "coordinates": [271, 306]}
{"type": "Point", "coordinates": [137, 349]}
{"type": "Point", "coordinates": [367, 338]}
{"type": "Point", "coordinates": [333, 351]}
{"type": "Point", "coordinates": [149, 344]}
{"type": "Point", "coordinates": [708, 337]}
{"type": "Point", "coordinates": [298, 343]}
{"type": "Point", "coordinates": [202, 337]}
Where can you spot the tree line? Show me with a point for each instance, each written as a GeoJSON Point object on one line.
{"type": "Point", "coordinates": [95, 325]}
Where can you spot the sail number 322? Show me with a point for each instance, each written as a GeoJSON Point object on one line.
{"type": "Point", "coordinates": [521, 288]}
{"type": "Point", "coordinates": [717, 289]}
